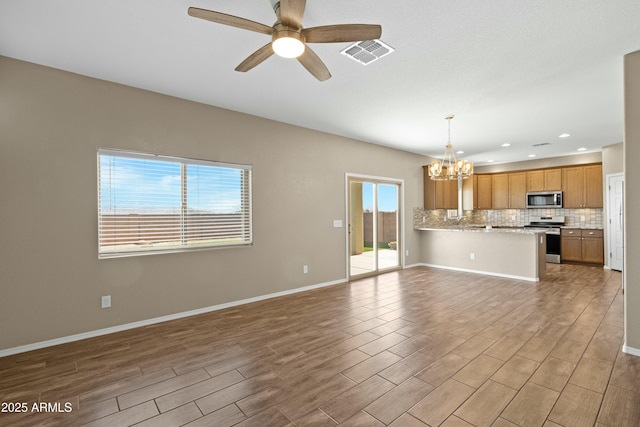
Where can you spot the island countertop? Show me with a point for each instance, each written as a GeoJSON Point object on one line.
{"type": "Point", "coordinates": [481, 229]}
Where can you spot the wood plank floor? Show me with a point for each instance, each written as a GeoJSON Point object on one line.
{"type": "Point", "coordinates": [419, 347]}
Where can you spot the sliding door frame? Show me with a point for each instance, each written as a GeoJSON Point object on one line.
{"type": "Point", "coordinates": [400, 218]}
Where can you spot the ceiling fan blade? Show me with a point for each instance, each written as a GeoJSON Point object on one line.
{"type": "Point", "coordinates": [342, 33]}
{"type": "Point", "coordinates": [234, 21]}
{"type": "Point", "coordinates": [291, 12]}
{"type": "Point", "coordinates": [314, 65]}
{"type": "Point", "coordinates": [256, 58]}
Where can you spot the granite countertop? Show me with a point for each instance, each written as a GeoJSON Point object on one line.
{"type": "Point", "coordinates": [481, 229]}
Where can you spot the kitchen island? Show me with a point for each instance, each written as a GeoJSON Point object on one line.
{"type": "Point", "coordinates": [516, 253]}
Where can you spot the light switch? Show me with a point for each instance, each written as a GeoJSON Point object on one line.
{"type": "Point", "coordinates": [337, 223]}
{"type": "Point", "coordinates": [105, 301]}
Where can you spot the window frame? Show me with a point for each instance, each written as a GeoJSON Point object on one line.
{"type": "Point", "coordinates": [185, 244]}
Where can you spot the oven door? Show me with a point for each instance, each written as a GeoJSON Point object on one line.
{"type": "Point", "coordinates": [553, 247]}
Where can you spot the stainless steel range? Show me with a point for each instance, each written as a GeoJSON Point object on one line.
{"type": "Point", "coordinates": [551, 225]}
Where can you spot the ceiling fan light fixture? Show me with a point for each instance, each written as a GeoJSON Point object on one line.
{"type": "Point", "coordinates": [287, 44]}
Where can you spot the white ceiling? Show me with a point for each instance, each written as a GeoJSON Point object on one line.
{"type": "Point", "coordinates": [512, 71]}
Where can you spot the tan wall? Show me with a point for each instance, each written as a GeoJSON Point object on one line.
{"type": "Point", "coordinates": [632, 199]}
{"type": "Point", "coordinates": [612, 159]}
{"type": "Point", "coordinates": [52, 123]}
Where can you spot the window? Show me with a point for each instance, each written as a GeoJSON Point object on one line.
{"type": "Point", "coordinates": [156, 204]}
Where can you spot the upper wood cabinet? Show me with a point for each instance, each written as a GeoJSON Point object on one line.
{"type": "Point", "coordinates": [444, 194]}
{"type": "Point", "coordinates": [582, 186]}
{"type": "Point", "coordinates": [517, 190]}
{"type": "Point", "coordinates": [439, 194]}
{"type": "Point", "coordinates": [544, 180]}
{"type": "Point", "coordinates": [482, 191]}
{"type": "Point", "coordinates": [500, 191]}
{"type": "Point", "coordinates": [508, 190]}
{"type": "Point", "coordinates": [593, 186]}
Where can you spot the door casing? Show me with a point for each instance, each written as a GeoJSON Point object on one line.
{"type": "Point", "coordinates": [400, 215]}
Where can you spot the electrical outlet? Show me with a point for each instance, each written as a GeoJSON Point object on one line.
{"type": "Point", "coordinates": [305, 269]}
{"type": "Point", "coordinates": [472, 256]}
{"type": "Point", "coordinates": [407, 254]}
{"type": "Point", "coordinates": [105, 301]}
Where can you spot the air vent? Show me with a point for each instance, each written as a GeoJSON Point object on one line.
{"type": "Point", "coordinates": [368, 51]}
{"type": "Point", "coordinates": [541, 144]}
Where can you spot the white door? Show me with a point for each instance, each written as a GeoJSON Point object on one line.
{"type": "Point", "coordinates": [615, 206]}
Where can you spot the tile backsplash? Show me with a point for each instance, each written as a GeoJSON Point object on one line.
{"type": "Point", "coordinates": [578, 218]}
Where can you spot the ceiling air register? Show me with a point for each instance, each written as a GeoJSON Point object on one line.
{"type": "Point", "coordinates": [367, 51]}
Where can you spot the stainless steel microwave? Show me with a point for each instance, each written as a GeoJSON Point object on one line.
{"type": "Point", "coordinates": [544, 199]}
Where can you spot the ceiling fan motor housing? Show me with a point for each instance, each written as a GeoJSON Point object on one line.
{"type": "Point", "coordinates": [287, 42]}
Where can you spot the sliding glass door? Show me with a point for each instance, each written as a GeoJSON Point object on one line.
{"type": "Point", "coordinates": [374, 225]}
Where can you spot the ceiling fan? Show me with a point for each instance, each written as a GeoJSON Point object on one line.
{"type": "Point", "coordinates": [288, 38]}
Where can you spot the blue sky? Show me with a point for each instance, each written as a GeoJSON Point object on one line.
{"type": "Point", "coordinates": [387, 197]}
{"type": "Point", "coordinates": [138, 185]}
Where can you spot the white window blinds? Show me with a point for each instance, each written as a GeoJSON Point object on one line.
{"type": "Point", "coordinates": [150, 204]}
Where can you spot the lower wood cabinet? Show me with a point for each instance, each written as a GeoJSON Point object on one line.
{"type": "Point", "coordinates": [582, 245]}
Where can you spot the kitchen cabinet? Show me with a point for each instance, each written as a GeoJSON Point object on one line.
{"type": "Point", "coordinates": [517, 190]}
{"type": "Point", "coordinates": [582, 245]}
{"type": "Point", "coordinates": [593, 186]}
{"type": "Point", "coordinates": [444, 194]}
{"type": "Point", "coordinates": [439, 194]}
{"type": "Point", "coordinates": [482, 191]}
{"type": "Point", "coordinates": [508, 190]}
{"type": "Point", "coordinates": [500, 191]}
{"type": "Point", "coordinates": [582, 186]}
{"type": "Point", "coordinates": [544, 180]}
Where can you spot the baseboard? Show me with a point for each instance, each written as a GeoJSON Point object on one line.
{"type": "Point", "coordinates": [630, 350]}
{"type": "Point", "coordinates": [415, 265]}
{"type": "Point", "coordinates": [119, 328]}
{"type": "Point", "coordinates": [485, 273]}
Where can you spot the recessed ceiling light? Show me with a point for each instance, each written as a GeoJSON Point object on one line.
{"type": "Point", "coordinates": [531, 155]}
{"type": "Point", "coordinates": [459, 152]}
{"type": "Point", "coordinates": [506, 144]}
{"type": "Point", "coordinates": [564, 135]}
{"type": "Point", "coordinates": [489, 161]}
{"type": "Point", "coordinates": [582, 149]}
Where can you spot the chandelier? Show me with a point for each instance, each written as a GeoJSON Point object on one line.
{"type": "Point", "coordinates": [450, 168]}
